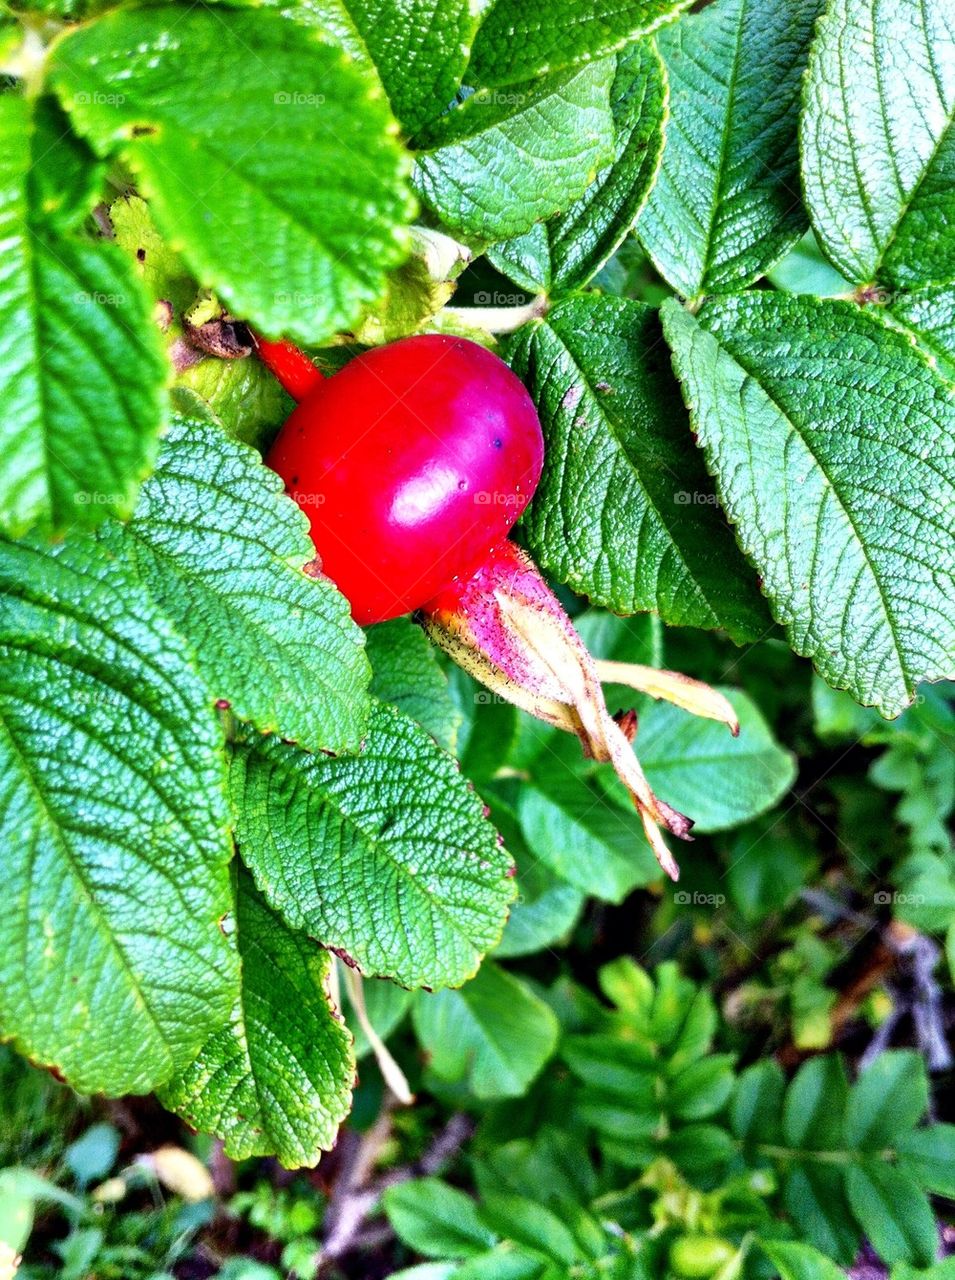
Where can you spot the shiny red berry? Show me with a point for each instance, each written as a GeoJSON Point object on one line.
{"type": "Point", "coordinates": [412, 463]}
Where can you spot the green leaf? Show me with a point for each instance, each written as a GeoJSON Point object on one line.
{"type": "Point", "coordinates": [703, 770]}
{"type": "Point", "coordinates": [531, 1226]}
{"type": "Point", "coordinates": [567, 250]}
{"type": "Point", "coordinates": [113, 967]}
{"type": "Point", "coordinates": [929, 1156]}
{"type": "Point", "coordinates": [796, 1261]}
{"type": "Point", "coordinates": [878, 140]}
{"type": "Point", "coordinates": [496, 164]}
{"type": "Point", "coordinates": [814, 1111]}
{"type": "Point", "coordinates": [584, 838]}
{"type": "Point", "coordinates": [547, 907]}
{"type": "Point", "coordinates": [494, 1032]}
{"type": "Point", "coordinates": [420, 49]}
{"type": "Point", "coordinates": [386, 1006]}
{"type": "Point", "coordinates": [815, 1199]}
{"type": "Point", "coordinates": [384, 856]}
{"type": "Point", "coordinates": [277, 1078]}
{"type": "Point", "coordinates": [726, 204]}
{"type": "Point", "coordinates": [298, 257]}
{"type": "Point", "coordinates": [625, 513]}
{"type": "Point", "coordinates": [222, 550]}
{"type": "Point", "coordinates": [929, 313]}
{"type": "Point", "coordinates": [82, 377]}
{"type": "Point", "coordinates": [892, 1211]}
{"type": "Point", "coordinates": [805, 269]}
{"type": "Point", "coordinates": [768, 865]}
{"type": "Point", "coordinates": [887, 1100]}
{"type": "Point", "coordinates": [436, 1220]}
{"type": "Point", "coordinates": [517, 41]}
{"type": "Point", "coordinates": [406, 673]}
{"type": "Point", "coordinates": [833, 444]}
{"type": "Point", "coordinates": [757, 1103]}
{"type": "Point", "coordinates": [701, 1089]}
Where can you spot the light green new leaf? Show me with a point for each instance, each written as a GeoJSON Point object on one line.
{"type": "Point", "coordinates": [385, 856]}
{"type": "Point", "coordinates": [494, 1032]}
{"type": "Point", "coordinates": [726, 204]}
{"type": "Point", "coordinates": [833, 445]}
{"type": "Point", "coordinates": [502, 160]}
{"type": "Point", "coordinates": [406, 672]}
{"type": "Point", "coordinates": [878, 140]}
{"type": "Point", "coordinates": [222, 550]}
{"type": "Point", "coordinates": [567, 250]}
{"type": "Point", "coordinates": [81, 370]}
{"type": "Point", "coordinates": [277, 1078]}
{"type": "Point", "coordinates": [288, 198]}
{"type": "Point", "coordinates": [436, 1220]}
{"type": "Point", "coordinates": [517, 40]}
{"type": "Point", "coordinates": [113, 965]}
{"type": "Point", "coordinates": [625, 512]}
{"type": "Point", "coordinates": [719, 780]}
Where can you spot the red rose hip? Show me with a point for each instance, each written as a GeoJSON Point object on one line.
{"type": "Point", "coordinates": [412, 463]}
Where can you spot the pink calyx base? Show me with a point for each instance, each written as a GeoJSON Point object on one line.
{"type": "Point", "coordinates": [507, 628]}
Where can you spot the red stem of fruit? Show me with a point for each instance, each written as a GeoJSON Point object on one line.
{"type": "Point", "coordinates": [292, 367]}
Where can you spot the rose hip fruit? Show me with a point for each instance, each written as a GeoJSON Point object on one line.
{"type": "Point", "coordinates": [412, 464]}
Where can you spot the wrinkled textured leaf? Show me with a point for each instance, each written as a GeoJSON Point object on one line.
{"type": "Point", "coordinates": [929, 314]}
{"type": "Point", "coordinates": [878, 140]}
{"type": "Point", "coordinates": [384, 856]}
{"type": "Point", "coordinates": [833, 445]}
{"type": "Point", "coordinates": [625, 512]}
{"type": "Point", "coordinates": [420, 49]}
{"type": "Point", "coordinates": [726, 204]}
{"type": "Point", "coordinates": [494, 1032]}
{"type": "Point", "coordinates": [298, 256]}
{"type": "Point", "coordinates": [570, 248]}
{"type": "Point", "coordinates": [81, 372]}
{"type": "Point", "coordinates": [113, 819]}
{"type": "Point", "coordinates": [277, 1078]}
{"type": "Point", "coordinates": [517, 40]}
{"type": "Point", "coordinates": [496, 164]}
{"type": "Point", "coordinates": [221, 550]}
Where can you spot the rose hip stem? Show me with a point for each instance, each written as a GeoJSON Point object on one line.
{"type": "Point", "coordinates": [294, 370]}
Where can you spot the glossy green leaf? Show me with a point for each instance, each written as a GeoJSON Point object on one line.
{"type": "Point", "coordinates": [277, 1078]}
{"type": "Point", "coordinates": [564, 252]}
{"type": "Point", "coordinates": [288, 198]}
{"type": "Point", "coordinates": [222, 551]}
{"type": "Point", "coordinates": [406, 672]}
{"type": "Point", "coordinates": [726, 204]}
{"type": "Point", "coordinates": [81, 371]}
{"type": "Point", "coordinates": [517, 41]}
{"type": "Point", "coordinates": [436, 1220]}
{"type": "Point", "coordinates": [878, 140]}
{"type": "Point", "coordinates": [503, 159]}
{"type": "Point", "coordinates": [494, 1033]}
{"type": "Point", "coordinates": [113, 965]}
{"type": "Point", "coordinates": [384, 857]}
{"type": "Point", "coordinates": [420, 49]}
{"type": "Point", "coordinates": [625, 513]}
{"type": "Point", "coordinates": [833, 445]}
